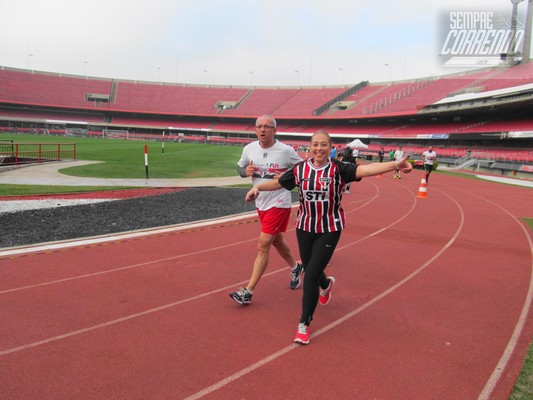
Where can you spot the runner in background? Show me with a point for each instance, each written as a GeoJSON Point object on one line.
{"type": "Point", "coordinates": [264, 160]}
{"type": "Point", "coordinates": [429, 157]}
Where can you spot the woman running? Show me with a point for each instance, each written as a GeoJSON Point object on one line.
{"type": "Point", "coordinates": [321, 183]}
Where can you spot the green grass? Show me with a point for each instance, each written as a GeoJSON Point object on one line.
{"type": "Point", "coordinates": [125, 159]}
{"type": "Point", "coordinates": [26, 190]}
{"type": "Point", "coordinates": [523, 388]}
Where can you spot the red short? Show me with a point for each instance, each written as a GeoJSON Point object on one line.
{"type": "Point", "coordinates": [275, 220]}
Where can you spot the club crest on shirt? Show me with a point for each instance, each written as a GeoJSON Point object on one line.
{"type": "Point", "coordinates": [324, 182]}
{"type": "Point", "coordinates": [262, 172]}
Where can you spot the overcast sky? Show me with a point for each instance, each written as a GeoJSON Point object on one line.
{"type": "Point", "coordinates": [231, 42]}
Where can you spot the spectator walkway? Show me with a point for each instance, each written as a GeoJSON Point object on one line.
{"type": "Point", "coordinates": [48, 174]}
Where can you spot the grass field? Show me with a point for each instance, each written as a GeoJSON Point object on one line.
{"type": "Point", "coordinates": [125, 158]}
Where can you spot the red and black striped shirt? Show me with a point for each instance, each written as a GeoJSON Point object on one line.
{"type": "Point", "coordinates": [320, 190]}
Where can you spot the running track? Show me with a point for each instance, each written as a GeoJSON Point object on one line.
{"type": "Point", "coordinates": [432, 301]}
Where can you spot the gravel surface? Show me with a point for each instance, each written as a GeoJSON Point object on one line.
{"type": "Point", "coordinates": [79, 221]}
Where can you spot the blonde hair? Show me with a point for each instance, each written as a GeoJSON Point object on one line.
{"type": "Point", "coordinates": [325, 134]}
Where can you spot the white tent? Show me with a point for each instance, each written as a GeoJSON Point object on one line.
{"type": "Point", "coordinates": [357, 144]}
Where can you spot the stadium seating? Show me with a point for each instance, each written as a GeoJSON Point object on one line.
{"type": "Point", "coordinates": [22, 87]}
{"type": "Point", "coordinates": [306, 99]}
{"type": "Point", "coordinates": [38, 102]}
{"type": "Point", "coordinates": [42, 116]}
{"type": "Point", "coordinates": [158, 98]}
{"type": "Point", "coordinates": [511, 77]}
{"type": "Point", "coordinates": [397, 98]}
{"type": "Point", "coordinates": [262, 101]}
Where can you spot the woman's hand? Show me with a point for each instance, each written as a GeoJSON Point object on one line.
{"type": "Point", "coordinates": [403, 165]}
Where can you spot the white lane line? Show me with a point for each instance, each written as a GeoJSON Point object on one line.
{"type": "Point", "coordinates": [126, 318]}
{"type": "Point", "coordinates": [517, 332]}
{"type": "Point", "coordinates": [109, 271]}
{"type": "Point", "coordinates": [273, 356]}
{"type": "Point", "coordinates": [130, 235]}
{"type": "Point", "coordinates": [109, 323]}
{"type": "Point", "coordinates": [325, 329]}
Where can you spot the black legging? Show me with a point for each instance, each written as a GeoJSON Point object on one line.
{"type": "Point", "coordinates": [316, 250]}
{"type": "Point", "coordinates": [428, 168]}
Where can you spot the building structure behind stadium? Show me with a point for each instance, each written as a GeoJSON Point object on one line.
{"type": "Point", "coordinates": [482, 118]}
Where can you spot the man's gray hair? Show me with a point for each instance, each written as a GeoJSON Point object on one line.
{"type": "Point", "coordinates": [270, 117]}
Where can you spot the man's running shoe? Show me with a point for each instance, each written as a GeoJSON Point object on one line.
{"type": "Point", "coordinates": [325, 294]}
{"type": "Point", "coordinates": [242, 296]}
{"type": "Point", "coordinates": [302, 334]}
{"type": "Point", "coordinates": [296, 273]}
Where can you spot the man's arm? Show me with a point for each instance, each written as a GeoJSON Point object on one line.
{"type": "Point", "coordinates": [247, 171]}
{"type": "Point", "coordinates": [241, 171]}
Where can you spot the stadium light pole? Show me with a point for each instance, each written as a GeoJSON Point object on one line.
{"type": "Point", "coordinates": [342, 71]}
{"type": "Point", "coordinates": [205, 76]}
{"type": "Point", "coordinates": [85, 67]}
{"type": "Point", "coordinates": [29, 60]}
{"type": "Point", "coordinates": [527, 41]}
{"type": "Point", "coordinates": [159, 72]}
{"type": "Point", "coordinates": [252, 77]}
{"type": "Point", "coordinates": [390, 70]}
{"type": "Point", "coordinates": [512, 39]}
{"type": "Point", "coordinates": [297, 78]}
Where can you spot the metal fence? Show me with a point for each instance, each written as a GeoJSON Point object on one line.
{"type": "Point", "coordinates": [29, 153]}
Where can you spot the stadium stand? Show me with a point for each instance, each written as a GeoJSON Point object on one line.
{"type": "Point", "coordinates": [43, 89]}
{"type": "Point", "coordinates": [162, 122]}
{"type": "Point", "coordinates": [142, 97]}
{"type": "Point", "coordinates": [262, 101]}
{"type": "Point", "coordinates": [49, 115]}
{"type": "Point", "coordinates": [509, 77]}
{"type": "Point", "coordinates": [486, 111]}
{"type": "Point", "coordinates": [306, 99]}
{"type": "Point", "coordinates": [405, 98]}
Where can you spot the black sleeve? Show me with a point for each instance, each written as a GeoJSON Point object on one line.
{"type": "Point", "coordinates": [347, 171]}
{"type": "Point", "coordinates": [288, 180]}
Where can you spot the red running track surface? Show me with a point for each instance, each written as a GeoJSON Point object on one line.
{"type": "Point", "coordinates": [432, 301]}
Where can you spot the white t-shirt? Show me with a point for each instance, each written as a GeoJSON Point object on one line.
{"type": "Point", "coordinates": [398, 155]}
{"type": "Point", "coordinates": [429, 157]}
{"type": "Point", "coordinates": [269, 163]}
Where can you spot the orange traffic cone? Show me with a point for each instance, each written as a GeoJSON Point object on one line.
{"type": "Point", "coordinates": [422, 190]}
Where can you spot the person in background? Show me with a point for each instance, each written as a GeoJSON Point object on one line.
{"type": "Point", "coordinates": [381, 154]}
{"type": "Point", "coordinates": [398, 155]}
{"type": "Point", "coordinates": [429, 157]}
{"type": "Point", "coordinates": [264, 160]}
{"type": "Point", "coordinates": [391, 154]}
{"type": "Point", "coordinates": [333, 153]}
{"type": "Point", "coordinates": [321, 219]}
{"type": "Point", "coordinates": [349, 158]}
